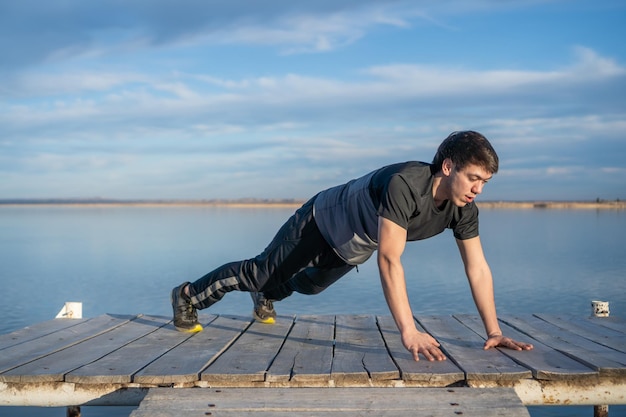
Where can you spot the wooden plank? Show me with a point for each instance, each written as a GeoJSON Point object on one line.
{"type": "Point", "coordinates": [248, 360]}
{"type": "Point", "coordinates": [422, 373]}
{"type": "Point", "coordinates": [307, 355]}
{"type": "Point", "coordinates": [360, 352]}
{"type": "Point", "coordinates": [120, 365]}
{"type": "Point", "coordinates": [53, 367]}
{"type": "Point", "coordinates": [607, 361]}
{"type": "Point", "coordinates": [465, 348]}
{"type": "Point", "coordinates": [599, 334]}
{"type": "Point", "coordinates": [329, 402]}
{"type": "Point", "coordinates": [21, 354]}
{"type": "Point", "coordinates": [613, 322]}
{"type": "Point", "coordinates": [183, 363]}
{"type": "Point", "coordinates": [544, 362]}
{"type": "Point", "coordinates": [36, 331]}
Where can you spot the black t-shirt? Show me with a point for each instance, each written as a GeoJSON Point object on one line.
{"type": "Point", "coordinates": [402, 193]}
{"type": "Point", "coordinates": [347, 215]}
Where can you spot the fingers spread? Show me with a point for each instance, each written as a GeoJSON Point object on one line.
{"type": "Point", "coordinates": [501, 341]}
{"type": "Point", "coordinates": [432, 353]}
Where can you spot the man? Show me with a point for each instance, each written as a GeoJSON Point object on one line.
{"type": "Point", "coordinates": [343, 226]}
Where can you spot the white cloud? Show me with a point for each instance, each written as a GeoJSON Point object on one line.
{"type": "Point", "coordinates": [564, 171]}
{"type": "Point", "coordinates": [437, 81]}
{"type": "Point", "coordinates": [614, 170]}
{"type": "Point", "coordinates": [590, 62]}
{"type": "Point", "coordinates": [58, 31]}
{"type": "Point", "coordinates": [163, 113]}
{"type": "Point", "coordinates": [194, 99]}
{"type": "Point", "coordinates": [45, 84]}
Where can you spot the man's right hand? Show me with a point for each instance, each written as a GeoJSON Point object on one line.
{"type": "Point", "coordinates": [422, 343]}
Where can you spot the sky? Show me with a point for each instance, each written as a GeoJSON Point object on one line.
{"type": "Point", "coordinates": [214, 99]}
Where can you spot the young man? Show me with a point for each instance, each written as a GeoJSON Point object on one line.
{"type": "Point", "coordinates": [343, 226]}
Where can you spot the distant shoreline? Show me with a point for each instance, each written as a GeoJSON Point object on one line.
{"type": "Point", "coordinates": [288, 203]}
{"type": "Point", "coordinates": [584, 205]}
{"type": "Point", "coordinates": [250, 203]}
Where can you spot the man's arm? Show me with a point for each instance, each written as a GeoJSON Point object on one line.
{"type": "Point", "coordinates": [391, 243]}
{"type": "Point", "coordinates": [481, 282]}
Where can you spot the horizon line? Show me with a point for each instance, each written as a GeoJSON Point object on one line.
{"type": "Point", "coordinates": [289, 202]}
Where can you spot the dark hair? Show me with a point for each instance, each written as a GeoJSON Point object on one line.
{"type": "Point", "coordinates": [464, 148]}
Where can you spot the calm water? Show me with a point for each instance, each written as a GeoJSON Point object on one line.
{"type": "Point", "coordinates": [126, 260]}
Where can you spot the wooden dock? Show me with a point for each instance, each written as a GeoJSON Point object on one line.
{"type": "Point", "coordinates": [128, 360]}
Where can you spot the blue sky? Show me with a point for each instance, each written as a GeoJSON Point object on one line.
{"type": "Point", "coordinates": [280, 99]}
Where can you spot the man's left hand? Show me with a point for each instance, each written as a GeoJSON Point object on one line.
{"type": "Point", "coordinates": [507, 342]}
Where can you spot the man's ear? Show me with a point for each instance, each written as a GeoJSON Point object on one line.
{"type": "Point", "coordinates": [447, 166]}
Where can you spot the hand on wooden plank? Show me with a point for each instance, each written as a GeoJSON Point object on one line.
{"type": "Point", "coordinates": [503, 341]}
{"type": "Point", "coordinates": [417, 342]}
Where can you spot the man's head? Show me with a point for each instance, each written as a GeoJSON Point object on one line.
{"type": "Point", "coordinates": [465, 148]}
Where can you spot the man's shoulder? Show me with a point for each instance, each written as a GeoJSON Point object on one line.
{"type": "Point", "coordinates": [411, 170]}
{"type": "Point", "coordinates": [411, 166]}
{"type": "Point", "coordinates": [418, 177]}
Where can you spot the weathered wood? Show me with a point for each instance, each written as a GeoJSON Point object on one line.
{"type": "Point", "coordinates": [608, 362]}
{"type": "Point", "coordinates": [248, 360]}
{"type": "Point", "coordinates": [120, 365]}
{"type": "Point", "coordinates": [307, 355]}
{"type": "Point", "coordinates": [585, 328]}
{"type": "Point", "coordinates": [53, 367]}
{"type": "Point", "coordinates": [85, 362]}
{"type": "Point", "coordinates": [465, 348]}
{"type": "Point", "coordinates": [348, 402]}
{"type": "Point", "coordinates": [17, 355]}
{"type": "Point", "coordinates": [36, 331]}
{"type": "Point", "coordinates": [183, 363]}
{"type": "Point", "coordinates": [613, 322]}
{"type": "Point", "coordinates": [360, 353]}
{"type": "Point", "coordinates": [544, 362]}
{"type": "Point", "coordinates": [422, 373]}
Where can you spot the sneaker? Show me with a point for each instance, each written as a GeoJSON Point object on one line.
{"type": "Point", "coordinates": [185, 314]}
{"type": "Point", "coordinates": [263, 308]}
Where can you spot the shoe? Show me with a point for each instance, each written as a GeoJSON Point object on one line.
{"type": "Point", "coordinates": [263, 308]}
{"type": "Point", "coordinates": [185, 314]}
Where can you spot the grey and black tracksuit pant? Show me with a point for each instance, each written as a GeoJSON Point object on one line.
{"type": "Point", "coordinates": [297, 259]}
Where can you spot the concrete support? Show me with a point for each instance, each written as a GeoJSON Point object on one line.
{"type": "Point", "coordinates": [73, 411]}
{"type": "Point", "coordinates": [600, 411]}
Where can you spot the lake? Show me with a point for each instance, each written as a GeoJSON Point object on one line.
{"type": "Point", "coordinates": [126, 259]}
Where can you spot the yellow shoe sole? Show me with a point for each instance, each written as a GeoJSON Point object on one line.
{"type": "Point", "coordinates": [197, 328]}
{"type": "Point", "coordinates": [269, 320]}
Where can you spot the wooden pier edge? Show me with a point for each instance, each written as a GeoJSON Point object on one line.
{"type": "Point", "coordinates": [531, 393]}
{"type": "Point", "coordinates": [115, 360]}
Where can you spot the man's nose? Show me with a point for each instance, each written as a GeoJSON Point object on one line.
{"type": "Point", "coordinates": [477, 188]}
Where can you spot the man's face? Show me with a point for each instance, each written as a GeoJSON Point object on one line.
{"type": "Point", "coordinates": [467, 183]}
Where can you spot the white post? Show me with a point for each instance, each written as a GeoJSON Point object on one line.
{"type": "Point", "coordinates": [600, 309]}
{"type": "Point", "coordinates": [71, 310]}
